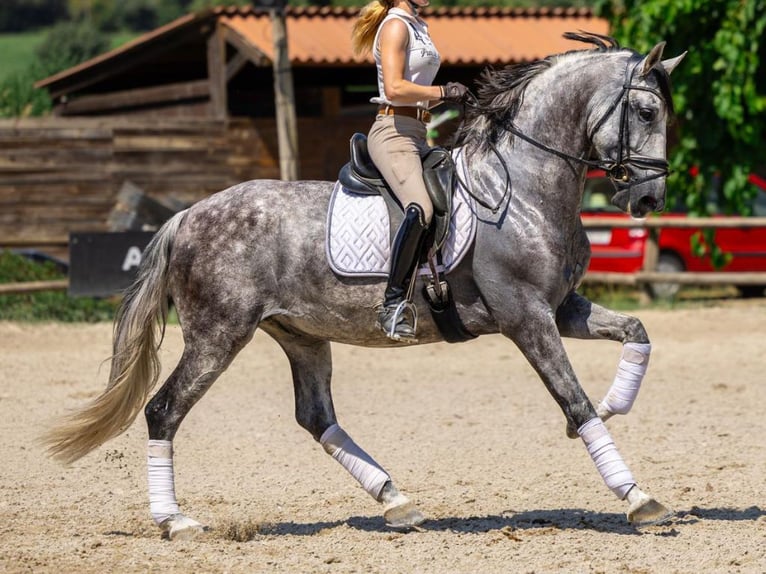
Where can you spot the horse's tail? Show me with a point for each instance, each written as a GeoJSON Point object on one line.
{"type": "Point", "coordinates": [139, 326]}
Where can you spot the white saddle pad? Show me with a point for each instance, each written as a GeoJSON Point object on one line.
{"type": "Point", "coordinates": [359, 241]}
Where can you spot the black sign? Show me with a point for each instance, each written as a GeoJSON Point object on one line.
{"type": "Point", "coordinates": [102, 264]}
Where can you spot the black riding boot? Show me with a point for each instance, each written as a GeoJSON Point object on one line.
{"type": "Point", "coordinates": [405, 252]}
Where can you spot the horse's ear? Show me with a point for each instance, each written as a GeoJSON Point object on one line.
{"type": "Point", "coordinates": [651, 60]}
{"type": "Point", "coordinates": [671, 64]}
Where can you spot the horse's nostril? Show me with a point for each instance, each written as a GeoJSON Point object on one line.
{"type": "Point", "coordinates": [649, 203]}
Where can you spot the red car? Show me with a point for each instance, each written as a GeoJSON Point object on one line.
{"type": "Point", "coordinates": [621, 250]}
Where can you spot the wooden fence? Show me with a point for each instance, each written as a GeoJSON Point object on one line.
{"type": "Point", "coordinates": [63, 174]}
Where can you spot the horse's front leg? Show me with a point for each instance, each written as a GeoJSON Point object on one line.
{"type": "Point", "coordinates": [579, 318]}
{"type": "Point", "coordinates": [538, 338]}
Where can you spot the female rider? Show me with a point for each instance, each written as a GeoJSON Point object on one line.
{"type": "Point", "coordinates": [407, 62]}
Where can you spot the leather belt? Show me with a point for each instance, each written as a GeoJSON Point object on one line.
{"type": "Point", "coordinates": [409, 111]}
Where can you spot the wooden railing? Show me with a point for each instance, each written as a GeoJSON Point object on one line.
{"type": "Point", "coordinates": [26, 242]}
{"type": "Point", "coordinates": [42, 243]}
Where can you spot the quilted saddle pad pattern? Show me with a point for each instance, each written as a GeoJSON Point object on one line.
{"type": "Point", "coordinates": [358, 237]}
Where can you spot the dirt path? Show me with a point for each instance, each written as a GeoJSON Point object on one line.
{"type": "Point", "coordinates": [467, 431]}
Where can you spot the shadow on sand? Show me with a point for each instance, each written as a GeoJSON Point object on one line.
{"type": "Point", "coordinates": [558, 519]}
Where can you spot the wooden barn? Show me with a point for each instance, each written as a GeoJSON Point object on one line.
{"type": "Point", "coordinates": [192, 107]}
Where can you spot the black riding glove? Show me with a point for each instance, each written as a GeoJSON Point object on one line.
{"type": "Point", "coordinates": [454, 92]}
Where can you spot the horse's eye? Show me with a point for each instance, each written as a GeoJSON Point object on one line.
{"type": "Point", "coordinates": [646, 114]}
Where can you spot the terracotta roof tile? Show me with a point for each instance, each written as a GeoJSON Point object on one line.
{"type": "Point", "coordinates": [319, 36]}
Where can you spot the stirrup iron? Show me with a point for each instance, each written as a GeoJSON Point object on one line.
{"type": "Point", "coordinates": [406, 306]}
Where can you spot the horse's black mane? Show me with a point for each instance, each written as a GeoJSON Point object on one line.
{"type": "Point", "coordinates": [501, 91]}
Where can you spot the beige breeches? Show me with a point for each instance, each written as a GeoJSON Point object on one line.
{"type": "Point", "coordinates": [396, 145]}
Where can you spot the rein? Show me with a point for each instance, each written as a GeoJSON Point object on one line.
{"type": "Point", "coordinates": [619, 171]}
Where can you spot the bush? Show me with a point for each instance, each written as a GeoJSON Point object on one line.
{"type": "Point", "coordinates": [46, 305]}
{"type": "Point", "coordinates": [65, 45]}
{"type": "Point", "coordinates": [68, 44]}
{"type": "Point", "coordinates": [20, 99]}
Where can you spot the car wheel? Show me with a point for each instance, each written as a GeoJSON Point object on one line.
{"type": "Point", "coordinates": [667, 263]}
{"type": "Point", "coordinates": [751, 291]}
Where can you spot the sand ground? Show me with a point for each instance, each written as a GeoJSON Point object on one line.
{"type": "Point", "coordinates": [467, 431]}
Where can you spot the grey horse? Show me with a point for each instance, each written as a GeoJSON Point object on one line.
{"type": "Point", "coordinates": [254, 256]}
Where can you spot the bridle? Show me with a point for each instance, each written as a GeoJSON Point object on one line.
{"type": "Point", "coordinates": [619, 170]}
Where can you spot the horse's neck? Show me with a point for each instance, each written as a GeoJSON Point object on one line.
{"type": "Point", "coordinates": [553, 113]}
{"type": "Point", "coordinates": [554, 109]}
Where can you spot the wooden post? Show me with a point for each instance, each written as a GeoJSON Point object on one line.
{"type": "Point", "coordinates": [330, 101]}
{"type": "Point", "coordinates": [216, 73]}
{"type": "Point", "coordinates": [284, 98]}
{"type": "Point", "coordinates": [651, 249]}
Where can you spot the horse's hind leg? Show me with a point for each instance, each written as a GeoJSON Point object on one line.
{"type": "Point", "coordinates": [208, 352]}
{"type": "Point", "coordinates": [311, 365]}
{"type": "Point", "coordinates": [579, 318]}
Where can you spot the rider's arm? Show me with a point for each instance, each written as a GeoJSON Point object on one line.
{"type": "Point", "coordinates": [393, 39]}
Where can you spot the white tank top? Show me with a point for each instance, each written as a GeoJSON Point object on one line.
{"type": "Point", "coordinates": [422, 59]}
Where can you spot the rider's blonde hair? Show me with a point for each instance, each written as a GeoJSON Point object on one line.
{"type": "Point", "coordinates": [365, 27]}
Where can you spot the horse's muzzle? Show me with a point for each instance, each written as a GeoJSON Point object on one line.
{"type": "Point", "coordinates": [637, 204]}
{"type": "Point", "coordinates": [645, 205]}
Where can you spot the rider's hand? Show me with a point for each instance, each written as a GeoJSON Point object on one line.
{"type": "Point", "coordinates": [454, 92]}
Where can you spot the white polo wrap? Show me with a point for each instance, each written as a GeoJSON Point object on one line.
{"type": "Point", "coordinates": [630, 372]}
{"type": "Point", "coordinates": [162, 493]}
{"type": "Point", "coordinates": [362, 467]}
{"type": "Point", "coordinates": [607, 459]}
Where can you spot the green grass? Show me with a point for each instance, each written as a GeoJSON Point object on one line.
{"type": "Point", "coordinates": [46, 305]}
{"type": "Point", "coordinates": [626, 299]}
{"type": "Point", "coordinates": [17, 51]}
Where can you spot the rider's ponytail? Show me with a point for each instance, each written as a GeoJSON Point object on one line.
{"type": "Point", "coordinates": [366, 26]}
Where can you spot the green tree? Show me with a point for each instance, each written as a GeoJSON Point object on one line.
{"type": "Point", "coordinates": [132, 15]}
{"type": "Point", "coordinates": [719, 90]}
{"type": "Point", "coordinates": [21, 15]}
{"type": "Point", "coordinates": [195, 5]}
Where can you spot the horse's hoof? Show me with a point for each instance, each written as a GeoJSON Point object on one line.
{"type": "Point", "coordinates": [402, 513]}
{"type": "Point", "coordinates": [646, 511]}
{"type": "Point", "coordinates": [180, 527]}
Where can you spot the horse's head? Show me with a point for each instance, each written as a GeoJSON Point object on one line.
{"type": "Point", "coordinates": [628, 132]}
